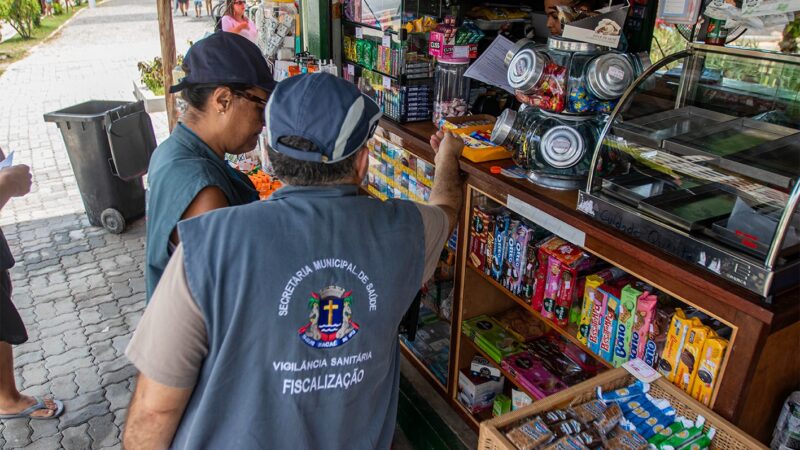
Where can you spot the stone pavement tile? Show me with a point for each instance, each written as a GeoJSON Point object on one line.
{"type": "Point", "coordinates": [87, 379]}
{"type": "Point", "coordinates": [43, 429]}
{"type": "Point", "coordinates": [103, 431]}
{"type": "Point", "coordinates": [76, 438]}
{"type": "Point", "coordinates": [47, 442]}
{"type": "Point", "coordinates": [16, 433]}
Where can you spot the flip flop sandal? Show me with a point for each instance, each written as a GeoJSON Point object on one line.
{"type": "Point", "coordinates": [40, 404]}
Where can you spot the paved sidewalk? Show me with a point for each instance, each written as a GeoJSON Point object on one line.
{"type": "Point", "coordinates": [79, 289]}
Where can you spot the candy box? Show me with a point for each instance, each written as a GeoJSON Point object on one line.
{"type": "Point", "coordinates": [676, 337]}
{"type": "Point", "coordinates": [519, 399]}
{"type": "Point", "coordinates": [608, 329]}
{"type": "Point", "coordinates": [539, 280]}
{"type": "Point", "coordinates": [491, 337]}
{"type": "Point", "coordinates": [517, 257]}
{"type": "Point", "coordinates": [476, 393]}
{"type": "Point", "coordinates": [532, 375]}
{"type": "Point", "coordinates": [702, 386]}
{"type": "Point", "coordinates": [689, 361]}
{"type": "Point", "coordinates": [502, 405]}
{"type": "Point", "coordinates": [552, 285]}
{"type": "Point", "coordinates": [478, 234]}
{"type": "Point", "coordinates": [591, 283]}
{"type": "Point", "coordinates": [518, 322]}
{"type": "Point", "coordinates": [511, 253]}
{"type": "Point", "coordinates": [566, 263]}
{"type": "Point", "coordinates": [481, 367]}
{"type": "Point", "coordinates": [626, 318]}
{"type": "Point", "coordinates": [501, 226]}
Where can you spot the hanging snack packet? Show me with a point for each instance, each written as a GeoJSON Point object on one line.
{"type": "Point", "coordinates": [711, 359]}
{"type": "Point", "coordinates": [530, 435]}
{"type": "Point", "coordinates": [676, 338]}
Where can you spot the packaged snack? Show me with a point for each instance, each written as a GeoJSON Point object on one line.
{"type": "Point", "coordinates": [487, 266]}
{"type": "Point", "coordinates": [645, 309]}
{"type": "Point", "coordinates": [502, 405]}
{"type": "Point", "coordinates": [588, 412]}
{"type": "Point", "coordinates": [567, 427]}
{"type": "Point", "coordinates": [518, 322]}
{"type": "Point", "coordinates": [689, 438]}
{"type": "Point", "coordinates": [530, 435]}
{"type": "Point", "coordinates": [689, 361]}
{"type": "Point", "coordinates": [510, 253]}
{"type": "Point", "coordinates": [501, 227]}
{"type": "Point", "coordinates": [532, 375]}
{"type": "Point", "coordinates": [676, 337]}
{"type": "Point", "coordinates": [518, 257]}
{"type": "Point", "coordinates": [590, 439]}
{"type": "Point", "coordinates": [710, 361]}
{"type": "Point", "coordinates": [598, 319]}
{"type": "Point", "coordinates": [620, 395]}
{"type": "Point", "coordinates": [677, 426]}
{"type": "Point", "coordinates": [566, 443]}
{"type": "Point", "coordinates": [477, 394]}
{"type": "Point", "coordinates": [491, 337]}
{"type": "Point", "coordinates": [609, 330]}
{"type": "Point", "coordinates": [552, 286]}
{"type": "Point", "coordinates": [591, 283]}
{"type": "Point", "coordinates": [555, 416]}
{"type": "Point", "coordinates": [540, 280]}
{"type": "Point", "coordinates": [626, 318]}
{"type": "Point", "coordinates": [564, 299]}
{"type": "Point", "coordinates": [529, 275]}
{"type": "Point", "coordinates": [610, 418]}
{"type": "Point", "coordinates": [519, 399]}
{"type": "Point", "coordinates": [627, 440]}
{"type": "Point", "coordinates": [480, 367]}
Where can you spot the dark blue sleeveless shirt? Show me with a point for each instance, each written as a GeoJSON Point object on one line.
{"type": "Point", "coordinates": [180, 168]}
{"type": "Point", "coordinates": [302, 296]}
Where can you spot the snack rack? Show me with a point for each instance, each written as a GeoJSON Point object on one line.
{"type": "Point", "coordinates": [385, 54]}
{"type": "Point", "coordinates": [727, 435]}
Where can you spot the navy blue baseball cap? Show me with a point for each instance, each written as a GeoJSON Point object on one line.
{"type": "Point", "coordinates": [225, 58]}
{"type": "Point", "coordinates": [326, 110]}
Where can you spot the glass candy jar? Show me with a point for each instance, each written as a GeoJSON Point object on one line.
{"type": "Point", "coordinates": [555, 149]}
{"type": "Point", "coordinates": [451, 89]}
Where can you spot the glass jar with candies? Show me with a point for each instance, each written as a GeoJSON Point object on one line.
{"type": "Point", "coordinates": [450, 89]}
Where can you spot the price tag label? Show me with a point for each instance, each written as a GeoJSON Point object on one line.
{"type": "Point", "coordinates": [461, 51]}
{"type": "Point", "coordinates": [387, 40]}
{"type": "Point", "coordinates": [387, 82]}
{"type": "Point", "coordinates": [351, 69]}
{"type": "Point", "coordinates": [359, 33]}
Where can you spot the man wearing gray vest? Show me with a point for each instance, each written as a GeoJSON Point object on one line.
{"type": "Point", "coordinates": [275, 323]}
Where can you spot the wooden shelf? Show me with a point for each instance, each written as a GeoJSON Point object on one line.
{"type": "Point", "coordinates": [474, 420]}
{"type": "Point", "coordinates": [568, 333]}
{"type": "Point", "coordinates": [423, 368]}
{"type": "Point", "coordinates": [505, 373]}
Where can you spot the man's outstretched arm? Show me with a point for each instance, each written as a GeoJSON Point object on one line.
{"type": "Point", "coordinates": [153, 415]}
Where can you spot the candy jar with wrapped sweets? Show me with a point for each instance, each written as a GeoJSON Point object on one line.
{"type": "Point", "coordinates": [451, 89]}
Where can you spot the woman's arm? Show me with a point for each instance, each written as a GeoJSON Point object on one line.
{"type": "Point", "coordinates": [208, 199]}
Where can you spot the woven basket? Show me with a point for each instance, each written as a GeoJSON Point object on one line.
{"type": "Point", "coordinates": [727, 437]}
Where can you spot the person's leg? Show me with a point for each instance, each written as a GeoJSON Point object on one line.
{"type": "Point", "coordinates": [11, 401]}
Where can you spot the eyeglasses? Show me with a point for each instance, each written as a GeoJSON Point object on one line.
{"type": "Point", "coordinates": [248, 96]}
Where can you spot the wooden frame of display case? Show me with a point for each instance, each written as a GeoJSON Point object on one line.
{"type": "Point", "coordinates": [757, 375]}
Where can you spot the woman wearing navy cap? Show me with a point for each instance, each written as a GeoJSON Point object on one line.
{"type": "Point", "coordinates": [226, 87]}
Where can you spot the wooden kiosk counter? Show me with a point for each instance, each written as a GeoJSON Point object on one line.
{"type": "Point", "coordinates": [761, 366]}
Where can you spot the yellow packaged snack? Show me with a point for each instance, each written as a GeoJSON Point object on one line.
{"type": "Point", "coordinates": [689, 361]}
{"type": "Point", "coordinates": [676, 336]}
{"type": "Point", "coordinates": [706, 377]}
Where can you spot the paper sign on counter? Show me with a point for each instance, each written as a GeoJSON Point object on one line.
{"type": "Point", "coordinates": [489, 67]}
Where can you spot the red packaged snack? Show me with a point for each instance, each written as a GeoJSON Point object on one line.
{"type": "Point", "coordinates": [478, 236]}
{"type": "Point", "coordinates": [645, 312]}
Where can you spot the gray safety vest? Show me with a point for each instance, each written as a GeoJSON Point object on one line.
{"type": "Point", "coordinates": [302, 297]}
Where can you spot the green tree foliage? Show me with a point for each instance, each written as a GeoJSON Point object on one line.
{"type": "Point", "coordinates": [20, 14]}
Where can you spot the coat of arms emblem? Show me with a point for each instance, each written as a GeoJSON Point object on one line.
{"type": "Point", "coordinates": [330, 320]}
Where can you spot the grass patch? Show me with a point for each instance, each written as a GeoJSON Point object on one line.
{"type": "Point", "coordinates": [16, 48]}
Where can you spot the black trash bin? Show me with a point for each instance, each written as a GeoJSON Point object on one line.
{"type": "Point", "coordinates": [109, 144]}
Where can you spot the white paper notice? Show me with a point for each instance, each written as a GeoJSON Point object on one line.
{"type": "Point", "coordinates": [359, 33]}
{"type": "Point", "coordinates": [489, 67]}
{"type": "Point", "coordinates": [387, 40]}
{"type": "Point", "coordinates": [461, 51]}
{"type": "Point", "coordinates": [8, 162]}
{"type": "Point", "coordinates": [641, 370]}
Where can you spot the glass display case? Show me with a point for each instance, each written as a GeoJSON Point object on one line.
{"type": "Point", "coordinates": [385, 47]}
{"type": "Point", "coordinates": [701, 158]}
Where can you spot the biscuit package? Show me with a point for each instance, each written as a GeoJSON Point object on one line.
{"type": "Point", "coordinates": [702, 387]}
{"type": "Point", "coordinates": [501, 226]}
{"type": "Point", "coordinates": [609, 330]}
{"type": "Point", "coordinates": [676, 337]}
{"type": "Point", "coordinates": [645, 310]}
{"type": "Point", "coordinates": [517, 257]}
{"type": "Point", "coordinates": [689, 361]}
{"type": "Point", "coordinates": [530, 435]}
{"type": "Point", "coordinates": [479, 232]}
{"type": "Point", "coordinates": [591, 283]}
{"type": "Point", "coordinates": [552, 285]}
{"type": "Point", "coordinates": [626, 319]}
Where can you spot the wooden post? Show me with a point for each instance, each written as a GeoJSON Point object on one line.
{"type": "Point", "coordinates": [167, 32]}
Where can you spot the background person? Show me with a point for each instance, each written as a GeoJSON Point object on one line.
{"type": "Point", "coordinates": [15, 181]}
{"type": "Point", "coordinates": [226, 88]}
{"type": "Point", "coordinates": [275, 323]}
{"type": "Point", "coordinates": [235, 20]}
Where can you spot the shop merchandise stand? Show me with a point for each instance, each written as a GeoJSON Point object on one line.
{"type": "Point", "coordinates": [760, 365]}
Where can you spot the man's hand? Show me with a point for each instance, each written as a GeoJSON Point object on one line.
{"type": "Point", "coordinates": [447, 184]}
{"type": "Point", "coordinates": [153, 415]}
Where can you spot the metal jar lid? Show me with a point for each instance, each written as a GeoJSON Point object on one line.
{"type": "Point", "coordinates": [609, 75]}
{"type": "Point", "coordinates": [567, 45]}
{"type": "Point", "coordinates": [519, 45]}
{"type": "Point", "coordinates": [562, 147]}
{"type": "Point", "coordinates": [503, 126]}
{"type": "Point", "coordinates": [526, 69]}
